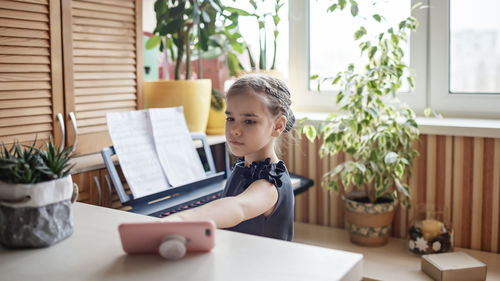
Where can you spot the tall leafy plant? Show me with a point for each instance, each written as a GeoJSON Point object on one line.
{"type": "Point", "coordinates": [262, 17]}
{"type": "Point", "coordinates": [372, 126]}
{"type": "Point", "coordinates": [184, 26]}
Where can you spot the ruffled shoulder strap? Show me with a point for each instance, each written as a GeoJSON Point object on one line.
{"type": "Point", "coordinates": [271, 172]}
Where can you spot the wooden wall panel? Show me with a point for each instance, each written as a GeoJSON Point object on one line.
{"type": "Point", "coordinates": [103, 65]}
{"type": "Point", "coordinates": [495, 205]}
{"type": "Point", "coordinates": [487, 192]}
{"type": "Point", "coordinates": [459, 174]}
{"type": "Point", "coordinates": [30, 71]}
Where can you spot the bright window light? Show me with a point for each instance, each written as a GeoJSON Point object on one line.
{"type": "Point", "coordinates": [331, 41]}
{"type": "Point", "coordinates": [474, 46]}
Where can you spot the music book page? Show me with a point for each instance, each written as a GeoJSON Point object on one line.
{"type": "Point", "coordinates": [131, 134]}
{"type": "Point", "coordinates": [175, 148]}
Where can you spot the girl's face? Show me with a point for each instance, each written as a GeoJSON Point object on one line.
{"type": "Point", "coordinates": [250, 126]}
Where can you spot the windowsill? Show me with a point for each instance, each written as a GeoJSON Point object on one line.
{"type": "Point", "coordinates": [91, 162]}
{"type": "Point", "coordinates": [485, 128]}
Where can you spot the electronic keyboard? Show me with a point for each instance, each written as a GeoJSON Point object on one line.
{"type": "Point", "coordinates": [165, 203]}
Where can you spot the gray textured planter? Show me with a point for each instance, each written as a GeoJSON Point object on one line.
{"type": "Point", "coordinates": [35, 215]}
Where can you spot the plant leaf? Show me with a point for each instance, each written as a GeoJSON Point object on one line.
{"type": "Point", "coordinates": [372, 52]}
{"type": "Point", "coordinates": [333, 185]}
{"type": "Point", "coordinates": [354, 9]}
{"type": "Point", "coordinates": [342, 4]}
{"type": "Point", "coordinates": [427, 112]}
{"type": "Point", "coordinates": [359, 33]}
{"type": "Point", "coordinates": [240, 12]}
{"type": "Point", "coordinates": [399, 169]}
{"type": "Point", "coordinates": [377, 17]}
{"type": "Point", "coordinates": [390, 158]}
{"type": "Point", "coordinates": [333, 7]}
{"type": "Point", "coordinates": [402, 187]}
{"type": "Point", "coordinates": [310, 132]}
{"type": "Point", "coordinates": [174, 25]}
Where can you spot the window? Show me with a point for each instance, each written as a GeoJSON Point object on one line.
{"type": "Point", "coordinates": [332, 47]}
{"type": "Point", "coordinates": [248, 27]}
{"type": "Point", "coordinates": [322, 43]}
{"type": "Point", "coordinates": [464, 58]}
{"type": "Point", "coordinates": [454, 55]}
{"type": "Point", "coordinates": [474, 47]}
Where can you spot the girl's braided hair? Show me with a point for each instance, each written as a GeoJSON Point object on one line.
{"type": "Point", "coordinates": [275, 90]}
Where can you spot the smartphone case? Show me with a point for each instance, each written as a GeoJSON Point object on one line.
{"type": "Point", "coordinates": [141, 238]}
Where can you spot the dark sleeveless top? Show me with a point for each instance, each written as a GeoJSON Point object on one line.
{"type": "Point", "coordinates": [279, 224]}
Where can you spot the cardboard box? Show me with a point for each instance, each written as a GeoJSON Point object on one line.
{"type": "Point", "coordinates": [457, 266]}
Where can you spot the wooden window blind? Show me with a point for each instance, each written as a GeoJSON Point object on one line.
{"type": "Point", "coordinates": [30, 70]}
{"type": "Point", "coordinates": [102, 46]}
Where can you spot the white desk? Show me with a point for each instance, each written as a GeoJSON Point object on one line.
{"type": "Point", "coordinates": [94, 252]}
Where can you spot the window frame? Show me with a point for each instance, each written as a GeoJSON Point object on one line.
{"type": "Point", "coordinates": [429, 62]}
{"type": "Point", "coordinates": [305, 99]}
{"type": "Point", "coordinates": [477, 105]}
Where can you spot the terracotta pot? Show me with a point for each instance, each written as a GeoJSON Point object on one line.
{"type": "Point", "coordinates": [214, 69]}
{"type": "Point", "coordinates": [368, 224]}
{"type": "Point", "coordinates": [193, 95]}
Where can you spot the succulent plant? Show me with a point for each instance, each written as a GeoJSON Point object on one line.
{"type": "Point", "coordinates": [29, 164]}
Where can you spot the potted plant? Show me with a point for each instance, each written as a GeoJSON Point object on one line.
{"type": "Point", "coordinates": [217, 114]}
{"type": "Point", "coordinates": [262, 18]}
{"type": "Point", "coordinates": [36, 192]}
{"type": "Point", "coordinates": [218, 65]}
{"type": "Point", "coordinates": [181, 27]}
{"type": "Point", "coordinates": [374, 129]}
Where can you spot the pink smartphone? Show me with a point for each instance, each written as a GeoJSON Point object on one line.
{"type": "Point", "coordinates": [141, 238]}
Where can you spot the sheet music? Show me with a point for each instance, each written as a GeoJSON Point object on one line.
{"type": "Point", "coordinates": [174, 146]}
{"type": "Point", "coordinates": [131, 135]}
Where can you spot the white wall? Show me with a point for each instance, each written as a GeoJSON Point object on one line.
{"type": "Point", "coordinates": [148, 15]}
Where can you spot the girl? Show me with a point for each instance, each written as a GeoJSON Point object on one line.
{"type": "Point", "coordinates": [258, 196]}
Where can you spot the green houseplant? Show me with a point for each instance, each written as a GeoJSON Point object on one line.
{"type": "Point", "coordinates": [182, 27]}
{"type": "Point", "coordinates": [35, 193]}
{"type": "Point", "coordinates": [182, 24]}
{"type": "Point", "coordinates": [374, 129]}
{"type": "Point", "coordinates": [262, 18]}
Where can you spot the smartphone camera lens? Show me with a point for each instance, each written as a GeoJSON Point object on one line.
{"type": "Point", "coordinates": [207, 232]}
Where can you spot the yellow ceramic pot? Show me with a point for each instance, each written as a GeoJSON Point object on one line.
{"type": "Point", "coordinates": [216, 121]}
{"type": "Point", "coordinates": [193, 95]}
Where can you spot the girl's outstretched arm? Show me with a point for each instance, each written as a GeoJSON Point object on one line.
{"type": "Point", "coordinates": [259, 198]}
